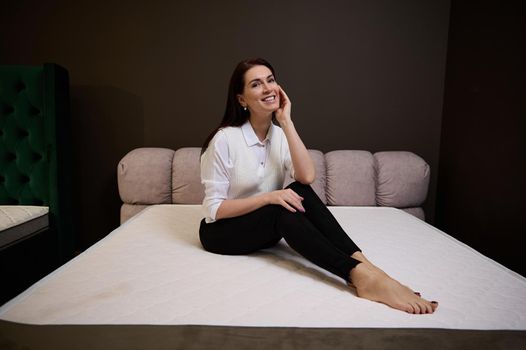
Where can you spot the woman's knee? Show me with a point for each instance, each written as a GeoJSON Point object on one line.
{"type": "Point", "coordinates": [234, 238]}
{"type": "Point", "coordinates": [296, 185]}
{"type": "Point", "coordinates": [301, 189]}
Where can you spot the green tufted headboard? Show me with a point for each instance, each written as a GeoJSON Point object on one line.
{"type": "Point", "coordinates": [34, 145]}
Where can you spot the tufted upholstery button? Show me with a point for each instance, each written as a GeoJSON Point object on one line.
{"type": "Point", "coordinates": [10, 156]}
{"type": "Point", "coordinates": [19, 86]}
{"type": "Point", "coordinates": [2, 179]}
{"type": "Point", "coordinates": [34, 111]}
{"type": "Point", "coordinates": [24, 179]}
{"type": "Point", "coordinates": [5, 108]}
{"type": "Point", "coordinates": [23, 133]}
{"type": "Point", "coordinates": [36, 156]}
{"type": "Point", "coordinates": [38, 202]}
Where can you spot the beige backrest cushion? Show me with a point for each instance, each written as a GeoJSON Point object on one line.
{"type": "Point", "coordinates": [144, 176]}
{"type": "Point", "coordinates": [403, 179]}
{"type": "Point", "coordinates": [356, 178]}
{"type": "Point", "coordinates": [186, 176]}
{"type": "Point", "coordinates": [350, 178]}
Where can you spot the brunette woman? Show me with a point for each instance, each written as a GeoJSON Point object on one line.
{"type": "Point", "coordinates": [243, 166]}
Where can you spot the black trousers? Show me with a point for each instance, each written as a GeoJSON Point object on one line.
{"type": "Point", "coordinates": [315, 234]}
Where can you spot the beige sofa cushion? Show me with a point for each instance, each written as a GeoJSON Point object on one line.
{"type": "Point", "coordinates": [350, 178]}
{"type": "Point", "coordinates": [144, 176]}
{"type": "Point", "coordinates": [403, 179]}
{"type": "Point", "coordinates": [186, 176]}
{"type": "Point", "coordinates": [355, 178]}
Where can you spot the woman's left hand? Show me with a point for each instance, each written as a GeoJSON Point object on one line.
{"type": "Point", "coordinates": [283, 112]}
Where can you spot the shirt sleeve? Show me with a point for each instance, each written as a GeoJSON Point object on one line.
{"type": "Point", "coordinates": [216, 168]}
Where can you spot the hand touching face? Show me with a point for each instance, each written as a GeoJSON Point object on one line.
{"type": "Point", "coordinates": [261, 93]}
{"type": "Point", "coordinates": [283, 112]}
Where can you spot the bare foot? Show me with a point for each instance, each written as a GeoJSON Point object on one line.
{"type": "Point", "coordinates": [360, 257]}
{"type": "Point", "coordinates": [374, 284]}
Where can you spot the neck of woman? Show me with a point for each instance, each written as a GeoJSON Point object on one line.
{"type": "Point", "coordinates": [260, 124]}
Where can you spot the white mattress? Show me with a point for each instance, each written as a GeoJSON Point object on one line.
{"type": "Point", "coordinates": [19, 222]}
{"type": "Point", "coordinates": [13, 215]}
{"type": "Point", "coordinates": [152, 270]}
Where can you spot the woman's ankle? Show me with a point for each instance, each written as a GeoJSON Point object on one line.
{"type": "Point", "coordinates": [358, 274]}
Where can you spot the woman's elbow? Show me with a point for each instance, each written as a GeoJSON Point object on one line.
{"type": "Point", "coordinates": [306, 179]}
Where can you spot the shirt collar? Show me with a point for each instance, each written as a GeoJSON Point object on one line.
{"type": "Point", "coordinates": [250, 135]}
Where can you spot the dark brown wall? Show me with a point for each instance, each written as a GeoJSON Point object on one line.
{"type": "Point", "coordinates": [361, 75]}
{"type": "Point", "coordinates": [482, 157]}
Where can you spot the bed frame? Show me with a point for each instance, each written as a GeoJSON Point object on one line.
{"type": "Point", "coordinates": [151, 176]}
{"type": "Point", "coordinates": [117, 337]}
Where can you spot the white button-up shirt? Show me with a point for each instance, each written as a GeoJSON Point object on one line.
{"type": "Point", "coordinates": [216, 169]}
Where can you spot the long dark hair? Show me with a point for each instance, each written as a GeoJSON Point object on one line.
{"type": "Point", "coordinates": [235, 115]}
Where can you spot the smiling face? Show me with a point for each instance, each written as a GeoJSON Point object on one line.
{"type": "Point", "coordinates": [260, 92]}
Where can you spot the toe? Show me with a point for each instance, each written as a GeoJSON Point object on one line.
{"type": "Point", "coordinates": [416, 307]}
{"type": "Point", "coordinates": [425, 306]}
{"type": "Point", "coordinates": [409, 309]}
{"type": "Point", "coordinates": [428, 308]}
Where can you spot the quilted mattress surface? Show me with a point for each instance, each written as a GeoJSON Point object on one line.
{"type": "Point", "coordinates": [153, 270]}
{"type": "Point", "coordinates": [13, 215]}
{"type": "Point", "coordinates": [18, 222]}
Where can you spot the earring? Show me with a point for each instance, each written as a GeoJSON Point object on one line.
{"type": "Point", "coordinates": [245, 108]}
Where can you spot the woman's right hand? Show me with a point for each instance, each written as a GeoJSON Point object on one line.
{"type": "Point", "coordinates": [287, 198]}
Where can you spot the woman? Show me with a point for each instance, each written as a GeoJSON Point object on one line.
{"type": "Point", "coordinates": [243, 165]}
